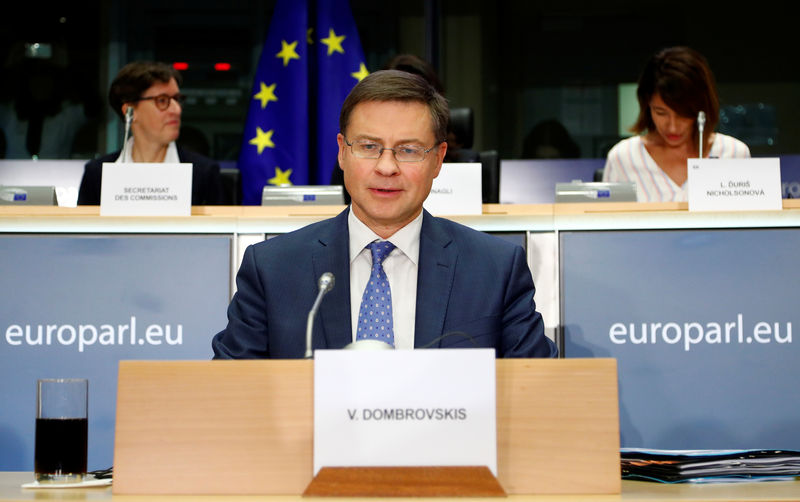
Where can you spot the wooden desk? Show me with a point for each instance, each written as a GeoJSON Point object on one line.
{"type": "Point", "coordinates": [10, 490]}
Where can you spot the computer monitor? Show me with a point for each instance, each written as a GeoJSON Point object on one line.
{"type": "Point", "coordinates": [28, 195]}
{"type": "Point", "coordinates": [595, 191]}
{"type": "Point", "coordinates": [64, 175]}
{"type": "Point", "coordinates": [302, 195]}
{"type": "Point", "coordinates": [533, 181]}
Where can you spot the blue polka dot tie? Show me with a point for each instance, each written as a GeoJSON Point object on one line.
{"type": "Point", "coordinates": [375, 315]}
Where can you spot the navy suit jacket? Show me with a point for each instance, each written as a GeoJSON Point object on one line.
{"type": "Point", "coordinates": [468, 283]}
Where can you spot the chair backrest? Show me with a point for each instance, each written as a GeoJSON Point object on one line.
{"type": "Point", "coordinates": [231, 186]}
{"type": "Point", "coordinates": [490, 170]}
{"type": "Point", "coordinates": [462, 126]}
{"type": "Point", "coordinates": [598, 174]}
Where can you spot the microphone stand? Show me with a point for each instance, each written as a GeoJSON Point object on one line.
{"type": "Point", "coordinates": [325, 284]}
{"type": "Point", "coordinates": [128, 120]}
{"type": "Point", "coordinates": [701, 124]}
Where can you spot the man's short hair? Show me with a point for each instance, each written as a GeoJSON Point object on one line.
{"type": "Point", "coordinates": [135, 78]}
{"type": "Point", "coordinates": [395, 85]}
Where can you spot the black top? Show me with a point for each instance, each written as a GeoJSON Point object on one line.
{"type": "Point", "coordinates": [206, 181]}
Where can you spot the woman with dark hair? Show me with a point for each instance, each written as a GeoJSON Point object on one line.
{"type": "Point", "coordinates": [414, 64]}
{"type": "Point", "coordinates": [151, 90]}
{"type": "Point", "coordinates": [549, 139]}
{"type": "Point", "coordinates": [674, 87]}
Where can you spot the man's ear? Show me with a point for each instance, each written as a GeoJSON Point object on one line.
{"type": "Point", "coordinates": [440, 153]}
{"type": "Point", "coordinates": [342, 146]}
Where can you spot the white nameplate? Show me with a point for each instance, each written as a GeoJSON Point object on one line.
{"type": "Point", "coordinates": [145, 189]}
{"type": "Point", "coordinates": [734, 184]}
{"type": "Point", "coordinates": [401, 408]}
{"type": "Point", "coordinates": [457, 190]}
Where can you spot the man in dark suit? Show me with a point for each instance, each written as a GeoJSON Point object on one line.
{"type": "Point", "coordinates": [418, 281]}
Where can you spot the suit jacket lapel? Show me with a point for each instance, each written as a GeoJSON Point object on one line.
{"type": "Point", "coordinates": [332, 255]}
{"type": "Point", "coordinates": [437, 264]}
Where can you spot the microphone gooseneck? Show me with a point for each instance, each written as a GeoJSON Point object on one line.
{"type": "Point", "coordinates": [325, 284]}
{"type": "Point", "coordinates": [701, 124]}
{"type": "Point", "coordinates": [128, 120]}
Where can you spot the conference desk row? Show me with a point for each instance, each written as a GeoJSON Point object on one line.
{"type": "Point", "coordinates": [629, 281]}
{"type": "Point", "coordinates": [11, 490]}
{"type": "Point", "coordinates": [534, 226]}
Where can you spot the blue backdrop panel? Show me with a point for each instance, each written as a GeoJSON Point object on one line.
{"type": "Point", "coordinates": [701, 324]}
{"type": "Point", "coordinates": [75, 306]}
{"type": "Point", "coordinates": [790, 176]}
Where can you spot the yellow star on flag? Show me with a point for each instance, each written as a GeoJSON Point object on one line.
{"type": "Point", "coordinates": [287, 52]}
{"type": "Point", "coordinates": [281, 177]}
{"type": "Point", "coordinates": [333, 42]}
{"type": "Point", "coordinates": [266, 94]}
{"type": "Point", "coordinates": [263, 139]}
{"type": "Point", "coordinates": [361, 73]}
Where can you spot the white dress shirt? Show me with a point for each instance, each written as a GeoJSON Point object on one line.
{"type": "Point", "coordinates": [629, 160]}
{"type": "Point", "coordinates": [401, 270]}
{"type": "Point", "coordinates": [171, 156]}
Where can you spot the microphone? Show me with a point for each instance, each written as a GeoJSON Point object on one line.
{"type": "Point", "coordinates": [701, 123]}
{"type": "Point", "coordinates": [128, 120]}
{"type": "Point", "coordinates": [325, 284]}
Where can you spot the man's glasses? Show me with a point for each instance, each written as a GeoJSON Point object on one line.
{"type": "Point", "coordinates": [162, 101]}
{"type": "Point", "coordinates": [365, 149]}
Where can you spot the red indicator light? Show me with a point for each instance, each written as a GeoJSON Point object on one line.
{"type": "Point", "coordinates": [222, 66]}
{"type": "Point", "coordinates": [180, 66]}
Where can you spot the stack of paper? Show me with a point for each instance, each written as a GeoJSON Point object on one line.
{"type": "Point", "coordinates": [703, 466]}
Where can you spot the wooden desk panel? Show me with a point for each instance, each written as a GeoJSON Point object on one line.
{"type": "Point", "coordinates": [181, 422]}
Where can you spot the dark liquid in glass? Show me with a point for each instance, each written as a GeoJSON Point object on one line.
{"type": "Point", "coordinates": [61, 445]}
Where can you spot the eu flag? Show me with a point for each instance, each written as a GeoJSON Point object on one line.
{"type": "Point", "coordinates": [310, 61]}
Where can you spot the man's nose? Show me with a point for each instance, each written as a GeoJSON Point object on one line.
{"type": "Point", "coordinates": [387, 164]}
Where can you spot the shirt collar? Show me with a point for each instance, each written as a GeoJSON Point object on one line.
{"type": "Point", "coordinates": [406, 239]}
{"type": "Point", "coordinates": [171, 157]}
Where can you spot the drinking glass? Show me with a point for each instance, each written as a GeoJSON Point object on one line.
{"type": "Point", "coordinates": [62, 427]}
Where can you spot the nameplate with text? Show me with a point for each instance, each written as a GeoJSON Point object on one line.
{"type": "Point", "coordinates": [734, 184]}
{"type": "Point", "coordinates": [404, 408]}
{"type": "Point", "coordinates": [457, 190]}
{"type": "Point", "coordinates": [146, 189]}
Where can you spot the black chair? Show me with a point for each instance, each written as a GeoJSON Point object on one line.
{"type": "Point", "coordinates": [598, 174]}
{"type": "Point", "coordinates": [460, 136]}
{"type": "Point", "coordinates": [490, 176]}
{"type": "Point", "coordinates": [231, 186]}
{"type": "Point", "coordinates": [462, 125]}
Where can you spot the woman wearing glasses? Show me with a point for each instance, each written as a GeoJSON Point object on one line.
{"type": "Point", "coordinates": [151, 90]}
